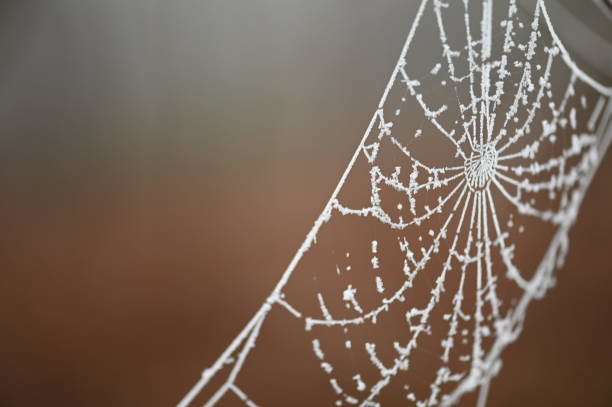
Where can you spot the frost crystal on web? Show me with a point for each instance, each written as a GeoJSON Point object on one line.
{"type": "Point", "coordinates": [451, 216]}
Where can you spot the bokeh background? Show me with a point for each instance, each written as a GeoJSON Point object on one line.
{"type": "Point", "coordinates": [161, 161]}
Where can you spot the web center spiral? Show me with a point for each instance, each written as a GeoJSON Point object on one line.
{"type": "Point", "coordinates": [480, 167]}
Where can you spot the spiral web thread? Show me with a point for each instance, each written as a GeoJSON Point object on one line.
{"type": "Point", "coordinates": [517, 141]}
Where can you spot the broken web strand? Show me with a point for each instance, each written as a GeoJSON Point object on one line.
{"type": "Point", "coordinates": [485, 167]}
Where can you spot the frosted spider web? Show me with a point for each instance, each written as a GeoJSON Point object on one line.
{"type": "Point", "coordinates": [460, 197]}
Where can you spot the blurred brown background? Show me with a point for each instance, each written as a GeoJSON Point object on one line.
{"type": "Point", "coordinates": [160, 162]}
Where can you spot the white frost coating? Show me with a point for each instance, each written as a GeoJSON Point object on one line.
{"type": "Point", "coordinates": [523, 154]}
{"type": "Point", "coordinates": [380, 286]}
{"type": "Point", "coordinates": [360, 384]}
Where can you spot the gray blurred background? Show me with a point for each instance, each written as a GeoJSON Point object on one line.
{"type": "Point", "coordinates": [160, 160]}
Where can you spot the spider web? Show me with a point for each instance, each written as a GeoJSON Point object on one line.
{"type": "Point", "coordinates": [429, 251]}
